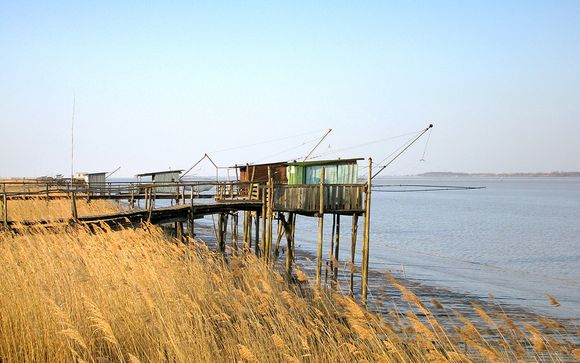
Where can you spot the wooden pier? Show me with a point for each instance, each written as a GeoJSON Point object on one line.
{"type": "Point", "coordinates": [261, 202]}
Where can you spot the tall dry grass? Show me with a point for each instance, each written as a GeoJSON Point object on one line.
{"type": "Point", "coordinates": [137, 295]}
{"type": "Point", "coordinates": [38, 209]}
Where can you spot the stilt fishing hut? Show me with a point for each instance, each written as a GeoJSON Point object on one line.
{"type": "Point", "coordinates": [95, 182]}
{"type": "Point", "coordinates": [260, 172]}
{"type": "Point", "coordinates": [312, 189]}
{"type": "Point", "coordinates": [165, 179]}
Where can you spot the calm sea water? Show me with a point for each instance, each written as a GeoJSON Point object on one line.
{"type": "Point", "coordinates": [517, 239]}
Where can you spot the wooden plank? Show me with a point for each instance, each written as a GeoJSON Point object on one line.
{"type": "Point", "coordinates": [353, 252]}
{"type": "Point", "coordinates": [366, 235]}
{"type": "Point", "coordinates": [320, 228]}
{"type": "Point", "coordinates": [336, 249]}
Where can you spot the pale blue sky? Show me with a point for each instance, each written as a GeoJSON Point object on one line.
{"type": "Point", "coordinates": [158, 85]}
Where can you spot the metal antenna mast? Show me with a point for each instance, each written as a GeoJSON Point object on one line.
{"type": "Point", "coordinates": [72, 141]}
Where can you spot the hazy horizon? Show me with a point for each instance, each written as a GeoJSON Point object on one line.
{"type": "Point", "coordinates": [156, 86]}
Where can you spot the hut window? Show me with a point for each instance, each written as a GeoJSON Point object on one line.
{"type": "Point", "coordinates": [312, 174]}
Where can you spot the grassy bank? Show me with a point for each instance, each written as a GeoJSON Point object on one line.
{"type": "Point", "coordinates": [137, 295]}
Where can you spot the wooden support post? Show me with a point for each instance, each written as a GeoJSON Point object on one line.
{"type": "Point", "coordinates": [150, 206]}
{"type": "Point", "coordinates": [270, 213]}
{"type": "Point", "coordinates": [132, 202]}
{"type": "Point", "coordinates": [235, 229]}
{"type": "Point", "coordinates": [287, 224]}
{"type": "Point", "coordinates": [320, 228]}
{"type": "Point", "coordinates": [249, 232]}
{"type": "Point", "coordinates": [4, 208]}
{"type": "Point", "coordinates": [331, 249]}
{"type": "Point", "coordinates": [269, 217]}
{"type": "Point", "coordinates": [190, 225]}
{"type": "Point", "coordinates": [257, 233]}
{"type": "Point", "coordinates": [222, 228]}
{"type": "Point", "coordinates": [336, 249]}
{"type": "Point", "coordinates": [179, 231]}
{"type": "Point", "coordinates": [279, 234]}
{"type": "Point", "coordinates": [73, 204]}
{"type": "Point", "coordinates": [293, 235]}
{"type": "Point", "coordinates": [353, 252]}
{"type": "Point", "coordinates": [367, 228]}
{"type": "Point", "coordinates": [263, 214]}
{"type": "Point", "coordinates": [245, 230]}
{"type": "Point", "coordinates": [219, 232]}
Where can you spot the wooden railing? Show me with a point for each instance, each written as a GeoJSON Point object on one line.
{"type": "Point", "coordinates": [306, 198]}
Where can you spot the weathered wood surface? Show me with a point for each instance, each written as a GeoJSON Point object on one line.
{"type": "Point", "coordinates": [176, 213]}
{"type": "Point", "coordinates": [340, 198]}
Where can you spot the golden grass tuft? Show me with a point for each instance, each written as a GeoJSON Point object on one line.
{"type": "Point", "coordinates": [135, 295]}
{"type": "Point", "coordinates": [553, 300]}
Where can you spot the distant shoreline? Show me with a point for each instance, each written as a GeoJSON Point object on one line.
{"type": "Point", "coordinates": [457, 174]}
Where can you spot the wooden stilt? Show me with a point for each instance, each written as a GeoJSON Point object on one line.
{"type": "Point", "coordinates": [5, 209]}
{"type": "Point", "coordinates": [222, 230]}
{"type": "Point", "coordinates": [150, 206]}
{"type": "Point", "coordinates": [249, 229]}
{"type": "Point", "coordinates": [367, 227]}
{"type": "Point", "coordinates": [219, 232]}
{"type": "Point", "coordinates": [336, 249]}
{"type": "Point", "coordinates": [293, 235]}
{"type": "Point", "coordinates": [279, 235]}
{"type": "Point", "coordinates": [235, 229]}
{"type": "Point", "coordinates": [75, 216]}
{"type": "Point", "coordinates": [132, 202]}
{"type": "Point", "coordinates": [264, 217]}
{"type": "Point", "coordinates": [331, 249]}
{"type": "Point", "coordinates": [190, 225]}
{"type": "Point", "coordinates": [320, 228]}
{"type": "Point", "coordinates": [290, 242]}
{"type": "Point", "coordinates": [179, 231]}
{"type": "Point", "coordinates": [353, 252]}
{"type": "Point", "coordinates": [270, 215]}
{"type": "Point", "coordinates": [245, 229]}
{"type": "Point", "coordinates": [257, 233]}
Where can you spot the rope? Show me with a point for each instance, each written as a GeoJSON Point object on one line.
{"type": "Point", "coordinates": [289, 149]}
{"type": "Point", "coordinates": [426, 143]}
{"type": "Point", "coordinates": [364, 144]}
{"type": "Point", "coordinates": [262, 142]}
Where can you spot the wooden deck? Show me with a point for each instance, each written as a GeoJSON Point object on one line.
{"type": "Point", "coordinates": [177, 213]}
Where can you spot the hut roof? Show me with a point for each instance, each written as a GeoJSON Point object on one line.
{"type": "Point", "coordinates": [161, 172]}
{"type": "Point", "coordinates": [325, 162]}
{"type": "Point", "coordinates": [281, 163]}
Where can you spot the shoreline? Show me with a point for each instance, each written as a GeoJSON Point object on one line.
{"type": "Point", "coordinates": [384, 297]}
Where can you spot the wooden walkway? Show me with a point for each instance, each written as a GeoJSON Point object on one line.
{"type": "Point", "coordinates": [177, 213]}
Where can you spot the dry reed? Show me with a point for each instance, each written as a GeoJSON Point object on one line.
{"type": "Point", "coordinates": [137, 295]}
